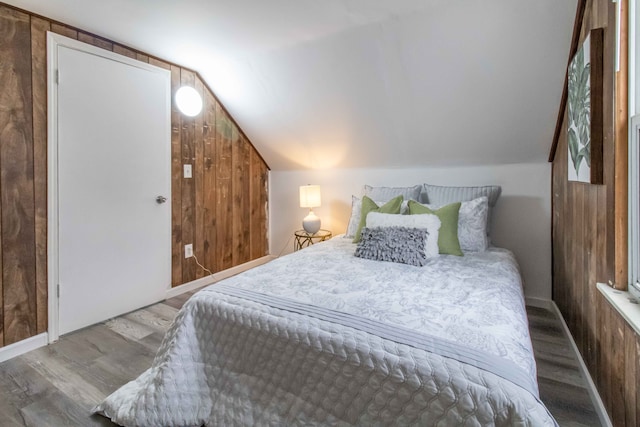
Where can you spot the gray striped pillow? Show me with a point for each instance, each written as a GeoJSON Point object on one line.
{"type": "Point", "coordinates": [438, 196]}
{"type": "Point", "coordinates": [388, 193]}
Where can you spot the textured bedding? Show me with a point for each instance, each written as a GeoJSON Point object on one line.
{"type": "Point", "coordinates": [321, 337]}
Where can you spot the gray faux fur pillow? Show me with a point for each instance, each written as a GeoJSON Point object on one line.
{"type": "Point", "coordinates": [396, 244]}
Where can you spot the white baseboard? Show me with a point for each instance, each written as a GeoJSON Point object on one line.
{"type": "Point", "coordinates": [24, 346]}
{"type": "Point", "coordinates": [591, 387]}
{"type": "Point", "coordinates": [216, 277]}
{"type": "Point", "coordinates": [539, 302]}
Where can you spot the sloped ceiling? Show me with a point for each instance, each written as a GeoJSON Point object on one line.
{"type": "Point", "coordinates": [361, 83]}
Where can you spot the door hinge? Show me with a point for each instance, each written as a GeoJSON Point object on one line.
{"type": "Point", "coordinates": [57, 77]}
{"type": "Point", "coordinates": [58, 290]}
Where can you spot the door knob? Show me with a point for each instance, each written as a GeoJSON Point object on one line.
{"type": "Point", "coordinates": [160, 200]}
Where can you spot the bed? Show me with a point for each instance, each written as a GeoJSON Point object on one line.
{"type": "Point", "coordinates": [322, 337]}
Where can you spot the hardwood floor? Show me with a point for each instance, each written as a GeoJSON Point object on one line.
{"type": "Point", "coordinates": [562, 387]}
{"type": "Point", "coordinates": [58, 385]}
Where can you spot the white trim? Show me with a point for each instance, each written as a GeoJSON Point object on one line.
{"type": "Point", "coordinates": [633, 144]}
{"type": "Point", "coordinates": [591, 387]}
{"type": "Point", "coordinates": [53, 42]}
{"type": "Point", "coordinates": [216, 277]}
{"type": "Point", "coordinates": [634, 12]}
{"type": "Point", "coordinates": [22, 347]}
{"type": "Point", "coordinates": [538, 302]}
{"type": "Point", "coordinates": [52, 187]}
{"type": "Point", "coordinates": [633, 200]}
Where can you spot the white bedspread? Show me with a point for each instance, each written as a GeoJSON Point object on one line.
{"type": "Point", "coordinates": [230, 361]}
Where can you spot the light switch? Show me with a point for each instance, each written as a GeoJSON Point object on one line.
{"type": "Point", "coordinates": [187, 171]}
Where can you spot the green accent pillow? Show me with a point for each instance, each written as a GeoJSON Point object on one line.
{"type": "Point", "coordinates": [368, 205]}
{"type": "Point", "coordinates": [448, 242]}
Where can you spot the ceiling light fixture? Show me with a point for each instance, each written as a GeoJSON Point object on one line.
{"type": "Point", "coordinates": [189, 101]}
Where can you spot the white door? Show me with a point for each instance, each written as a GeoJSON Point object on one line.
{"type": "Point", "coordinates": [113, 161]}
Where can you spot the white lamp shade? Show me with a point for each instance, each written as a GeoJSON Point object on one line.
{"type": "Point", "coordinates": [309, 196]}
{"type": "Point", "coordinates": [189, 101]}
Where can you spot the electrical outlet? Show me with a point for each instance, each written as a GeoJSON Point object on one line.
{"type": "Point", "coordinates": [187, 171]}
{"type": "Point", "coordinates": [188, 251]}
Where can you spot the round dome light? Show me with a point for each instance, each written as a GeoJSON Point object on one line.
{"type": "Point", "coordinates": [188, 101]}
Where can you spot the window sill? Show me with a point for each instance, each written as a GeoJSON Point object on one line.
{"type": "Point", "coordinates": [620, 300]}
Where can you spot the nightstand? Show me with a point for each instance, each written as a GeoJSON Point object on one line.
{"type": "Point", "coordinates": [304, 239]}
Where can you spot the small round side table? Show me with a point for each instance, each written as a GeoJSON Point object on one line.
{"type": "Point", "coordinates": [304, 239]}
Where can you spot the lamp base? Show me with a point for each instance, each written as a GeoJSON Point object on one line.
{"type": "Point", "coordinates": [311, 223]}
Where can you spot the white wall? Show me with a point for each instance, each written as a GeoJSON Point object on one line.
{"type": "Point", "coordinates": [521, 219]}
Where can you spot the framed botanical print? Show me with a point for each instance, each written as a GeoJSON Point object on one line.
{"type": "Point", "coordinates": [584, 103]}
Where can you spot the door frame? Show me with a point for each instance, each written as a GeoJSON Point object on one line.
{"type": "Point", "coordinates": [53, 42]}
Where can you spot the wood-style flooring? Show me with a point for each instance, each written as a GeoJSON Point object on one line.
{"type": "Point", "coordinates": [562, 387]}
{"type": "Point", "coordinates": [58, 385]}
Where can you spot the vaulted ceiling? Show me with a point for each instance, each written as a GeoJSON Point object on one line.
{"type": "Point", "coordinates": [361, 83]}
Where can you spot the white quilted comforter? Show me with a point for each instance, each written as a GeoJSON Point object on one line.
{"type": "Point", "coordinates": [231, 360]}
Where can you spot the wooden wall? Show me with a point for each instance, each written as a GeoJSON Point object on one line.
{"type": "Point", "coordinates": [222, 210]}
{"type": "Point", "coordinates": [589, 241]}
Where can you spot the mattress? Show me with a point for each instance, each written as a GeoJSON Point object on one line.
{"type": "Point", "coordinates": [321, 337]}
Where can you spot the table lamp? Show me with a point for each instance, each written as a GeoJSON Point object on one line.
{"type": "Point", "coordinates": [310, 198]}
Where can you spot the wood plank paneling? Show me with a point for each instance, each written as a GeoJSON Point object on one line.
{"type": "Point", "coordinates": [224, 203]}
{"type": "Point", "coordinates": [142, 57]}
{"type": "Point", "coordinates": [39, 28]}
{"type": "Point", "coordinates": [236, 194]}
{"type": "Point", "coordinates": [589, 296]}
{"type": "Point", "coordinates": [637, 358]}
{"type": "Point", "coordinates": [209, 183]}
{"type": "Point", "coordinates": [176, 182]}
{"type": "Point", "coordinates": [121, 50]}
{"type": "Point", "coordinates": [591, 247]}
{"type": "Point", "coordinates": [5, 76]}
{"type": "Point", "coordinates": [617, 369]}
{"type": "Point", "coordinates": [187, 142]}
{"type": "Point", "coordinates": [95, 41]}
{"type": "Point", "coordinates": [240, 194]}
{"type": "Point", "coordinates": [578, 261]}
{"type": "Point", "coordinates": [202, 209]}
{"type": "Point", "coordinates": [261, 240]}
{"type": "Point", "coordinates": [257, 197]}
{"type": "Point", "coordinates": [621, 154]}
{"type": "Point", "coordinates": [16, 177]}
{"type": "Point", "coordinates": [166, 66]}
{"type": "Point", "coordinates": [64, 30]}
{"type": "Point", "coordinates": [606, 356]}
{"type": "Point", "coordinates": [198, 181]}
{"type": "Point", "coordinates": [631, 387]}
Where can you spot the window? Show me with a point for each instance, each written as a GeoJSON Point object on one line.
{"type": "Point", "coordinates": [634, 149]}
{"type": "Point", "coordinates": [634, 59]}
{"type": "Point", "coordinates": [634, 206]}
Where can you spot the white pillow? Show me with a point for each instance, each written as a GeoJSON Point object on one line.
{"type": "Point", "coordinates": [354, 219]}
{"type": "Point", "coordinates": [472, 224]}
{"type": "Point", "coordinates": [429, 222]}
{"type": "Point", "coordinates": [356, 210]}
